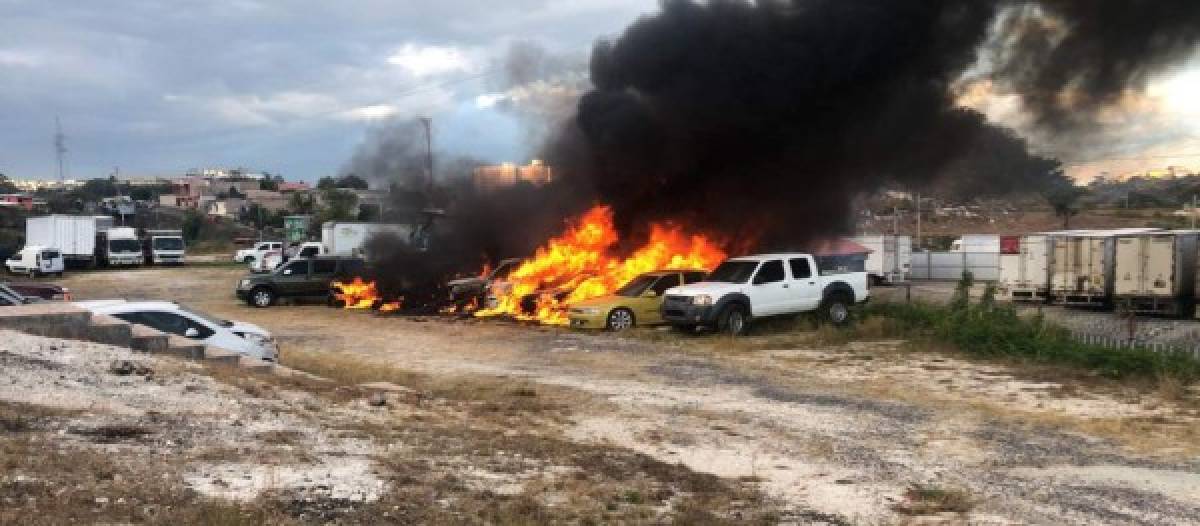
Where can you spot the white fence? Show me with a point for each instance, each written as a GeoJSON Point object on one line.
{"type": "Point", "coordinates": [983, 266]}
{"type": "Point", "coordinates": [1112, 342]}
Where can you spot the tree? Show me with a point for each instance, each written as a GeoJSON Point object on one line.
{"type": "Point", "coordinates": [6, 185]}
{"type": "Point", "coordinates": [235, 193]}
{"type": "Point", "coordinates": [326, 183]}
{"type": "Point", "coordinates": [353, 182]}
{"type": "Point", "coordinates": [340, 205]}
{"type": "Point", "coordinates": [268, 184]}
{"type": "Point", "coordinates": [193, 222]}
{"type": "Point", "coordinates": [1064, 198]}
{"type": "Point", "coordinates": [301, 203]}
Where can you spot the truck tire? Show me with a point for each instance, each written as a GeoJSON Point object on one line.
{"type": "Point", "coordinates": [620, 320]}
{"type": "Point", "coordinates": [262, 297]}
{"type": "Point", "coordinates": [733, 320]}
{"type": "Point", "coordinates": [836, 309]}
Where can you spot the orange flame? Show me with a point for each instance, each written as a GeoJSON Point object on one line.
{"type": "Point", "coordinates": [356, 294]}
{"type": "Point", "coordinates": [579, 265]}
{"type": "Point", "coordinates": [390, 306]}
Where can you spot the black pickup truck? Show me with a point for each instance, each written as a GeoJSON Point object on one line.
{"type": "Point", "coordinates": [298, 278]}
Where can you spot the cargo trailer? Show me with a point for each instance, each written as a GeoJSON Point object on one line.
{"type": "Point", "coordinates": [890, 259]}
{"type": "Point", "coordinates": [1081, 265]}
{"type": "Point", "coordinates": [1025, 275]}
{"type": "Point", "coordinates": [1155, 273]}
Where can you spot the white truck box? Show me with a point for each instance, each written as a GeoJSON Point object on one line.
{"type": "Point", "coordinates": [73, 236]}
{"type": "Point", "coordinates": [890, 259]}
{"type": "Point", "coordinates": [1156, 272]}
{"type": "Point", "coordinates": [979, 243]}
{"type": "Point", "coordinates": [1024, 276]}
{"type": "Point", "coordinates": [348, 238]}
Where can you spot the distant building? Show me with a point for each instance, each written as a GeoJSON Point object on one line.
{"type": "Point", "coordinates": [271, 200]}
{"type": "Point", "coordinates": [229, 208]}
{"type": "Point", "coordinates": [22, 201]}
{"type": "Point", "coordinates": [508, 174]}
{"type": "Point", "coordinates": [33, 185]}
{"type": "Point", "coordinates": [186, 192]}
{"type": "Point", "coordinates": [300, 186]}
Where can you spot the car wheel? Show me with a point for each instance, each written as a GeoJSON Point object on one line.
{"type": "Point", "coordinates": [620, 320]}
{"type": "Point", "coordinates": [733, 320]}
{"type": "Point", "coordinates": [837, 309]}
{"type": "Point", "coordinates": [262, 297]}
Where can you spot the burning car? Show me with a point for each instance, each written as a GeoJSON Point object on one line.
{"type": "Point", "coordinates": [638, 302]}
{"type": "Point", "coordinates": [477, 289]}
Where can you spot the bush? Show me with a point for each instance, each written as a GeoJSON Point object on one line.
{"type": "Point", "coordinates": [994, 330]}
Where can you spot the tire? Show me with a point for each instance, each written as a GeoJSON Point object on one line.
{"type": "Point", "coordinates": [619, 320]}
{"type": "Point", "coordinates": [836, 309]}
{"type": "Point", "coordinates": [733, 320]}
{"type": "Point", "coordinates": [262, 297]}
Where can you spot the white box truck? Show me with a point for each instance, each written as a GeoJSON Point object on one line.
{"type": "Point", "coordinates": [1155, 273]}
{"type": "Point", "coordinates": [163, 247]}
{"type": "Point", "coordinates": [118, 246]}
{"type": "Point", "coordinates": [890, 259]}
{"type": "Point", "coordinates": [73, 236]}
{"type": "Point", "coordinates": [348, 238]}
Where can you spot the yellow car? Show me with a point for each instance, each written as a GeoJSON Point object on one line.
{"type": "Point", "coordinates": [636, 303]}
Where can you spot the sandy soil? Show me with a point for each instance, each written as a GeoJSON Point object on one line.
{"type": "Point", "coordinates": [842, 432]}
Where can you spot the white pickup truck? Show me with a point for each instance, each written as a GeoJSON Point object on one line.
{"type": "Point", "coordinates": [746, 288]}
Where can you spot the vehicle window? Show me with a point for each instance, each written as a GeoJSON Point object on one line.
{"type": "Point", "coordinates": [665, 283]}
{"type": "Point", "coordinates": [298, 268]}
{"type": "Point", "coordinates": [770, 272]}
{"type": "Point", "coordinates": [800, 268]}
{"type": "Point", "coordinates": [351, 266]}
{"type": "Point", "coordinates": [168, 243]}
{"type": "Point", "coordinates": [309, 252]}
{"type": "Point", "coordinates": [50, 254]}
{"type": "Point", "coordinates": [636, 287]}
{"type": "Point", "coordinates": [324, 266]}
{"type": "Point", "coordinates": [733, 271]}
{"type": "Point", "coordinates": [205, 317]}
{"type": "Point", "coordinates": [693, 277]}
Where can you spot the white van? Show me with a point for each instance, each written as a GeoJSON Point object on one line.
{"type": "Point", "coordinates": [36, 261]}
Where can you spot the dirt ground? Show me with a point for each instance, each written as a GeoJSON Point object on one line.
{"type": "Point", "coordinates": [863, 432]}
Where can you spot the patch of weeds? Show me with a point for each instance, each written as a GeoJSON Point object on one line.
{"type": "Point", "coordinates": [929, 500]}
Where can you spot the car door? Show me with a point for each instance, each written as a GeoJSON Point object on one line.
{"type": "Point", "coordinates": [649, 309]}
{"type": "Point", "coordinates": [323, 271]}
{"type": "Point", "coordinates": [769, 290]}
{"type": "Point", "coordinates": [292, 278]}
{"type": "Point", "coordinates": [806, 288]}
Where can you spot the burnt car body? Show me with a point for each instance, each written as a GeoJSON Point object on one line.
{"type": "Point", "coordinates": [45, 291]}
{"type": "Point", "coordinates": [464, 290]}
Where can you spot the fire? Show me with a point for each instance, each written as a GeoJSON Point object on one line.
{"type": "Point", "coordinates": [356, 294]}
{"type": "Point", "coordinates": [390, 306]}
{"type": "Point", "coordinates": [579, 265]}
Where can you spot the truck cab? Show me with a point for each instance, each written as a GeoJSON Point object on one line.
{"type": "Point", "coordinates": [119, 246]}
{"type": "Point", "coordinates": [747, 288]}
{"type": "Point", "coordinates": [163, 247]}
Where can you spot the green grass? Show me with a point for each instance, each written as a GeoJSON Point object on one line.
{"type": "Point", "coordinates": [992, 330]}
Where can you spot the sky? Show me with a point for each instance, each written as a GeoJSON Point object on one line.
{"type": "Point", "coordinates": [292, 86]}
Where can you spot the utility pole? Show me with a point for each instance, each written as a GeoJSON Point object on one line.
{"type": "Point", "coordinates": [428, 123]}
{"type": "Point", "coordinates": [60, 148]}
{"type": "Point", "coordinates": [895, 220]}
{"type": "Point", "coordinates": [919, 220]}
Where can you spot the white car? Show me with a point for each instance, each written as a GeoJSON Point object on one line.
{"type": "Point", "coordinates": [173, 318]}
{"type": "Point", "coordinates": [744, 288]}
{"type": "Point", "coordinates": [249, 255]}
{"type": "Point", "coordinates": [36, 261]}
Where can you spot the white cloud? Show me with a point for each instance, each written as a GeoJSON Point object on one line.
{"type": "Point", "coordinates": [373, 112]}
{"type": "Point", "coordinates": [489, 100]}
{"type": "Point", "coordinates": [424, 61]}
{"type": "Point", "coordinates": [10, 57]}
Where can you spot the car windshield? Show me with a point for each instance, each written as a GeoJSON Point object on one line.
{"type": "Point", "coordinates": [50, 254]}
{"type": "Point", "coordinates": [205, 317]}
{"type": "Point", "coordinates": [124, 245]}
{"type": "Point", "coordinates": [637, 287]}
{"type": "Point", "coordinates": [168, 243]}
{"type": "Point", "coordinates": [733, 272]}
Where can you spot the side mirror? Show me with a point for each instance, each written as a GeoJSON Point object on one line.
{"type": "Point", "coordinates": [191, 332]}
{"type": "Point", "coordinates": [649, 294]}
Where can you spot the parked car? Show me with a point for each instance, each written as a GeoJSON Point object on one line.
{"type": "Point", "coordinates": [746, 288]}
{"type": "Point", "coordinates": [173, 318]}
{"type": "Point", "coordinates": [298, 278]}
{"type": "Point", "coordinates": [463, 290]}
{"type": "Point", "coordinates": [36, 261]}
{"type": "Point", "coordinates": [637, 303]}
{"type": "Point", "coordinates": [45, 291]}
{"type": "Point", "coordinates": [12, 298]}
{"type": "Point", "coordinates": [248, 255]}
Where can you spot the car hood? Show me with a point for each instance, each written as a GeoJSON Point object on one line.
{"type": "Point", "coordinates": [475, 280]}
{"type": "Point", "coordinates": [249, 328]}
{"type": "Point", "coordinates": [712, 288]}
{"type": "Point", "coordinates": [602, 301]}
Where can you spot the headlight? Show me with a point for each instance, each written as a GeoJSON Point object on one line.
{"type": "Point", "coordinates": [257, 339]}
{"type": "Point", "coordinates": [702, 299]}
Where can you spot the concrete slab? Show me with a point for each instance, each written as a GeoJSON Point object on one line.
{"type": "Point", "coordinates": [221, 356]}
